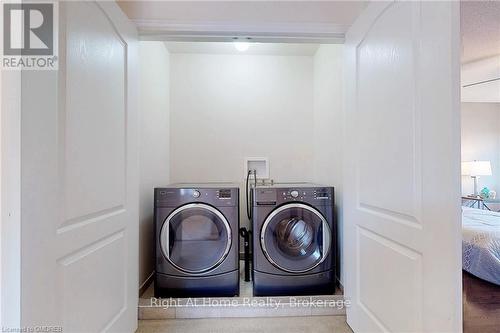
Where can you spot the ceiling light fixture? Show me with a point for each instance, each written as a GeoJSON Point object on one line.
{"type": "Point", "coordinates": [241, 44]}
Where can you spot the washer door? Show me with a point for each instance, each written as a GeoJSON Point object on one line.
{"type": "Point", "coordinates": [295, 238]}
{"type": "Point", "coordinates": [195, 238]}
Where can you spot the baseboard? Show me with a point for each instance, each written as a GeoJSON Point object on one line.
{"type": "Point", "coordinates": [339, 284]}
{"type": "Point", "coordinates": [145, 285]}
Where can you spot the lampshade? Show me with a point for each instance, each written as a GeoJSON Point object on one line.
{"type": "Point", "coordinates": [476, 168]}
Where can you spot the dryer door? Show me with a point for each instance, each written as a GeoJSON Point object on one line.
{"type": "Point", "coordinates": [295, 238]}
{"type": "Point", "coordinates": [195, 238]}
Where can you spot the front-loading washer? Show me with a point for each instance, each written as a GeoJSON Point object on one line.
{"type": "Point", "coordinates": [294, 239]}
{"type": "Point", "coordinates": [197, 240]}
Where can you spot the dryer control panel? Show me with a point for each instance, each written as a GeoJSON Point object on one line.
{"type": "Point", "coordinates": [176, 196]}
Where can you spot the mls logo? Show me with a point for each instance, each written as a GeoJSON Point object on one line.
{"type": "Point", "coordinates": [29, 36]}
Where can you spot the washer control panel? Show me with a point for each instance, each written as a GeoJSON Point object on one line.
{"type": "Point", "coordinates": [306, 194]}
{"type": "Point", "coordinates": [276, 195]}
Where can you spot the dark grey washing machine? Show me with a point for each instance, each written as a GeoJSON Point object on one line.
{"type": "Point", "coordinates": [294, 240]}
{"type": "Point", "coordinates": [197, 240]}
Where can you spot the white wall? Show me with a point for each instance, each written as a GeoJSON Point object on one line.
{"type": "Point", "coordinates": [481, 80]}
{"type": "Point", "coordinates": [328, 126]}
{"type": "Point", "coordinates": [481, 141]}
{"type": "Point", "coordinates": [154, 143]}
{"type": "Point", "coordinates": [228, 107]}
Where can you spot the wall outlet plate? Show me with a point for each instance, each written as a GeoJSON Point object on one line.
{"type": "Point", "coordinates": [260, 164]}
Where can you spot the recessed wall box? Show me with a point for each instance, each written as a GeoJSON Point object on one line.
{"type": "Point", "coordinates": [260, 164]}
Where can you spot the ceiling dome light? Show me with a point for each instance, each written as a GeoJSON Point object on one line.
{"type": "Point", "coordinates": [241, 44]}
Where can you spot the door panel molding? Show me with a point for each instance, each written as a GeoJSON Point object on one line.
{"type": "Point", "coordinates": [406, 220]}
{"type": "Point", "coordinates": [397, 150]}
{"type": "Point", "coordinates": [405, 281]}
{"type": "Point", "coordinates": [85, 220]}
{"type": "Point", "coordinates": [110, 284]}
{"type": "Point", "coordinates": [95, 94]}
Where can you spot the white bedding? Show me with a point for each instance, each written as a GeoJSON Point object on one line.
{"type": "Point", "coordinates": [481, 243]}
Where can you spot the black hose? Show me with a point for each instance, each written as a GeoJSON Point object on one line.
{"type": "Point", "coordinates": [246, 235]}
{"type": "Point", "coordinates": [244, 232]}
{"type": "Point", "coordinates": [249, 210]}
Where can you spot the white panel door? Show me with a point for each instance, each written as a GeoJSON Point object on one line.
{"type": "Point", "coordinates": [79, 177]}
{"type": "Point", "coordinates": [402, 210]}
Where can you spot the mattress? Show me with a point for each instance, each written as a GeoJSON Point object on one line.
{"type": "Point", "coordinates": [481, 243]}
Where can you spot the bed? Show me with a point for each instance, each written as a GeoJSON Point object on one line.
{"type": "Point", "coordinates": [481, 243]}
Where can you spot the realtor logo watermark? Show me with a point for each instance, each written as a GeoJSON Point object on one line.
{"type": "Point", "coordinates": [29, 35]}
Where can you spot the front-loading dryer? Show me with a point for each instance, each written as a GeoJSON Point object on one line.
{"type": "Point", "coordinates": [294, 239]}
{"type": "Point", "coordinates": [197, 240]}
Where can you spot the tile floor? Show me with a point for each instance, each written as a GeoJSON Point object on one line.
{"type": "Point", "coordinates": [318, 324]}
{"type": "Point", "coordinates": [324, 324]}
{"type": "Point", "coordinates": [182, 309]}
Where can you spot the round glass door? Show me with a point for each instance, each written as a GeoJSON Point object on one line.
{"type": "Point", "coordinates": [295, 238]}
{"type": "Point", "coordinates": [195, 238]}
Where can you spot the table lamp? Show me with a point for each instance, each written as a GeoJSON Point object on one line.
{"type": "Point", "coordinates": [475, 169]}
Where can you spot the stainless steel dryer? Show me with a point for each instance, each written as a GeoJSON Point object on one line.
{"type": "Point", "coordinates": [294, 242]}
{"type": "Point", "coordinates": [197, 240]}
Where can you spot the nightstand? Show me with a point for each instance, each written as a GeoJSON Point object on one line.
{"type": "Point", "coordinates": [480, 203]}
{"type": "Point", "coordinates": [474, 202]}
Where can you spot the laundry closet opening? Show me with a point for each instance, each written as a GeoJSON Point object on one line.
{"type": "Point", "coordinates": [208, 107]}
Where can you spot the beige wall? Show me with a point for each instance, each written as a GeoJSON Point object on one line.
{"type": "Point", "coordinates": [481, 141]}
{"type": "Point", "coordinates": [154, 143]}
{"type": "Point", "coordinates": [328, 125]}
{"type": "Point", "coordinates": [227, 107]}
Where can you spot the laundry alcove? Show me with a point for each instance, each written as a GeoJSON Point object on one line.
{"type": "Point", "coordinates": [207, 107]}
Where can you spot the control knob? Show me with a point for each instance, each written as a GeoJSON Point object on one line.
{"type": "Point", "coordinates": [196, 194]}
{"type": "Point", "coordinates": [294, 194]}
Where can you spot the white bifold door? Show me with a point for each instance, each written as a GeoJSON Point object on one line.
{"type": "Point", "coordinates": [402, 179]}
{"type": "Point", "coordinates": [79, 177]}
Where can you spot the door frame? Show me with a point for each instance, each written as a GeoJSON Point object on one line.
{"type": "Point", "coordinates": [10, 198]}
{"type": "Point", "coordinates": [209, 31]}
